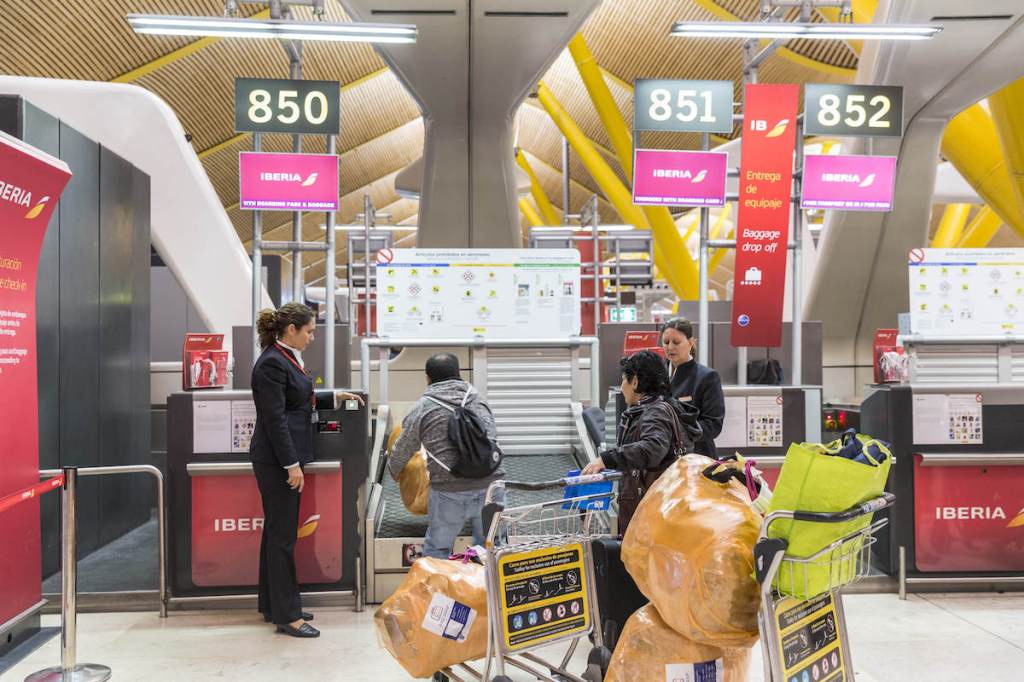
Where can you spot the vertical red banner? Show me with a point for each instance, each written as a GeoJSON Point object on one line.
{"type": "Point", "coordinates": [766, 182]}
{"type": "Point", "coordinates": [30, 185]}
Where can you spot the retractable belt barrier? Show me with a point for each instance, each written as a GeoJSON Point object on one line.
{"type": "Point", "coordinates": [31, 492]}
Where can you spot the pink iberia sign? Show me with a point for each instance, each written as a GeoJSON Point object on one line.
{"type": "Point", "coordinates": [287, 182]}
{"type": "Point", "coordinates": [678, 178]}
{"type": "Point", "coordinates": [848, 183]}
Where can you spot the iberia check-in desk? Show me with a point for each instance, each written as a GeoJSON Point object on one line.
{"type": "Point", "coordinates": [958, 480]}
{"type": "Point", "coordinates": [215, 512]}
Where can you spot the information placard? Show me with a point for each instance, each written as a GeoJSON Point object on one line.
{"type": "Point", "coordinates": [682, 105]}
{"type": "Point", "coordinates": [963, 292]}
{"type": "Point", "coordinates": [853, 110]}
{"type": "Point", "coordinates": [811, 640]}
{"type": "Point", "coordinates": [848, 183]}
{"type": "Point", "coordinates": [947, 419]}
{"type": "Point", "coordinates": [287, 182]}
{"type": "Point", "coordinates": [463, 293]}
{"type": "Point", "coordinates": [665, 177]}
{"type": "Point", "coordinates": [544, 595]}
{"type": "Point", "coordinates": [764, 421]}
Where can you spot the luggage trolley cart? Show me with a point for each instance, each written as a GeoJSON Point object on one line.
{"type": "Point", "coordinates": [540, 579]}
{"type": "Point", "coordinates": [805, 640]}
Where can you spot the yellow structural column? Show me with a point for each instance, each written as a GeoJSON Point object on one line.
{"type": "Point", "coordinates": [982, 229]}
{"type": "Point", "coordinates": [547, 211]}
{"type": "Point", "coordinates": [1007, 107]}
{"type": "Point", "coordinates": [658, 217]}
{"type": "Point", "coordinates": [616, 193]}
{"type": "Point", "coordinates": [951, 226]}
{"type": "Point", "coordinates": [529, 212]}
{"type": "Point", "coordinates": [971, 144]}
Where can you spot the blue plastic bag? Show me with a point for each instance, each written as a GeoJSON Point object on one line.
{"type": "Point", "coordinates": [597, 503]}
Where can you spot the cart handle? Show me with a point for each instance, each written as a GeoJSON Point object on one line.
{"type": "Point", "coordinates": [870, 507]}
{"type": "Point", "coordinates": [606, 475]}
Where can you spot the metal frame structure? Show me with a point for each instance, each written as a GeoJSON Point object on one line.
{"type": "Point", "coordinates": [964, 360]}
{"type": "Point", "coordinates": [280, 10]}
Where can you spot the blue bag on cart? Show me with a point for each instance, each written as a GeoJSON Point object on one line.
{"type": "Point", "coordinates": [585, 489]}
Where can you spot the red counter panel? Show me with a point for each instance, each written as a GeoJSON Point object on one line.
{"type": "Point", "coordinates": [227, 520]}
{"type": "Point", "coordinates": [968, 518]}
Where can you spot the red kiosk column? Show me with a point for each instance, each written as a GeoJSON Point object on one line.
{"type": "Point", "coordinates": [30, 185]}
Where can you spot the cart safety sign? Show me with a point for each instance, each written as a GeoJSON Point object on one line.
{"type": "Point", "coordinates": [811, 640]}
{"type": "Point", "coordinates": [544, 595]}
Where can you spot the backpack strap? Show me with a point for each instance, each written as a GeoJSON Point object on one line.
{"type": "Point", "coordinates": [677, 447]}
{"type": "Point", "coordinates": [439, 462]}
{"type": "Point", "coordinates": [440, 402]}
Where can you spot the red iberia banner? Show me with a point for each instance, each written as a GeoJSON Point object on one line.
{"type": "Point", "coordinates": [30, 185]}
{"type": "Point", "coordinates": [766, 180]}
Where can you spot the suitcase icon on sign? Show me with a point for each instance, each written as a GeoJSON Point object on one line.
{"type": "Point", "coordinates": [752, 276]}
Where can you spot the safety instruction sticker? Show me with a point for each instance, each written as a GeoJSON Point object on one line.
{"type": "Point", "coordinates": [448, 618]}
{"type": "Point", "coordinates": [708, 671]}
{"type": "Point", "coordinates": [811, 640]}
{"type": "Point", "coordinates": [543, 595]}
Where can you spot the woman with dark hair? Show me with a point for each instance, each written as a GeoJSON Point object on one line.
{"type": "Point", "coordinates": [693, 382]}
{"type": "Point", "coordinates": [655, 431]}
{"type": "Point", "coordinates": [282, 443]}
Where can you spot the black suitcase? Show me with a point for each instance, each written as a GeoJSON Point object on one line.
{"type": "Point", "coordinates": [617, 595]}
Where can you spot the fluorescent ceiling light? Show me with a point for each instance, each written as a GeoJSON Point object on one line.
{"type": "Point", "coordinates": [278, 29]}
{"type": "Point", "coordinates": [375, 228]}
{"type": "Point", "coordinates": [806, 30]}
{"type": "Point", "coordinates": [584, 228]}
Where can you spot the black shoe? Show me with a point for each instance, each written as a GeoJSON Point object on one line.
{"type": "Point", "coordinates": [305, 616]}
{"type": "Point", "coordinates": [303, 631]}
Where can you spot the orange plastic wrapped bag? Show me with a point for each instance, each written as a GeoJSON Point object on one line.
{"type": "Point", "coordinates": [690, 549]}
{"type": "Point", "coordinates": [648, 649]}
{"type": "Point", "coordinates": [413, 482]}
{"type": "Point", "coordinates": [436, 618]}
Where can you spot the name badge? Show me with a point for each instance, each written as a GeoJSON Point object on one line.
{"type": "Point", "coordinates": [685, 398]}
{"type": "Point", "coordinates": [314, 417]}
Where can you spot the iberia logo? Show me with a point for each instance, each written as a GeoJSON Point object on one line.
{"type": "Point", "coordinates": [309, 526]}
{"type": "Point", "coordinates": [1017, 520]}
{"type": "Point", "coordinates": [34, 212]}
{"type": "Point", "coordinates": [779, 128]}
{"type": "Point", "coordinates": [699, 177]}
{"type": "Point", "coordinates": [310, 180]}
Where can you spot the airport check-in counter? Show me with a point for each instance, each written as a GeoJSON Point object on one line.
{"type": "Point", "coordinates": [215, 511]}
{"type": "Point", "coordinates": [958, 481]}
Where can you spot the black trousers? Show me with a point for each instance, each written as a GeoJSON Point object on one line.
{"type": "Point", "coordinates": [279, 588]}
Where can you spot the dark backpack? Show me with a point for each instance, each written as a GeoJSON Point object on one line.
{"type": "Point", "coordinates": [477, 454]}
{"type": "Point", "coordinates": [765, 372]}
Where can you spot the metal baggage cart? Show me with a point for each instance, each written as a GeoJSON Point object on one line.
{"type": "Point", "coordinates": [805, 640]}
{"type": "Point", "coordinates": [540, 581]}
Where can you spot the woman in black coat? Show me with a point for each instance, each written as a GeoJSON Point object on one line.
{"type": "Point", "coordinates": [692, 382]}
{"type": "Point", "coordinates": [282, 443]}
{"type": "Point", "coordinates": [655, 431]}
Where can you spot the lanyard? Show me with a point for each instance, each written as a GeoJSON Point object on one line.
{"type": "Point", "coordinates": [292, 360]}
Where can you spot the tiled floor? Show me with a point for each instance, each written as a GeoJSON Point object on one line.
{"type": "Point", "coordinates": [928, 638]}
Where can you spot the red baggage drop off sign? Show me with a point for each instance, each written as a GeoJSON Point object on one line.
{"type": "Point", "coordinates": [766, 179]}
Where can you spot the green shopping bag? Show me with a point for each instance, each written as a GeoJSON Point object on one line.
{"type": "Point", "coordinates": [815, 478]}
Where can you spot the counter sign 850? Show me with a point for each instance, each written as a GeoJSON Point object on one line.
{"type": "Point", "coordinates": [265, 105]}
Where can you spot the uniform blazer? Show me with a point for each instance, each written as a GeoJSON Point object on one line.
{"type": "Point", "coordinates": [284, 410]}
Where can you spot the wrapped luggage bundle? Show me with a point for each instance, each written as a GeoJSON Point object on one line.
{"type": "Point", "coordinates": [648, 649]}
{"type": "Point", "coordinates": [690, 549]}
{"type": "Point", "coordinates": [413, 482]}
{"type": "Point", "coordinates": [436, 618]}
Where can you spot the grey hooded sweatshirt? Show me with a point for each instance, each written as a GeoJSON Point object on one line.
{"type": "Point", "coordinates": [427, 424]}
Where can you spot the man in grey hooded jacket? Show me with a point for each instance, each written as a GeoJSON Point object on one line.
{"type": "Point", "coordinates": [453, 500]}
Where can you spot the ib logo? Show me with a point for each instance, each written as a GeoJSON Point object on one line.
{"type": "Point", "coordinates": [743, 320]}
{"type": "Point", "coordinates": [34, 212]}
{"type": "Point", "coordinates": [760, 125]}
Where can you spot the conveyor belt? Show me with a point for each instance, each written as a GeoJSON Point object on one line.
{"type": "Point", "coordinates": [397, 522]}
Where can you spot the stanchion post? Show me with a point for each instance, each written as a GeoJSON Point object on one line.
{"type": "Point", "coordinates": [903, 574]}
{"type": "Point", "coordinates": [69, 670]}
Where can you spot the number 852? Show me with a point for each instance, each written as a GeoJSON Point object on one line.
{"type": "Point", "coordinates": [260, 110]}
{"type": "Point", "coordinates": [829, 113]}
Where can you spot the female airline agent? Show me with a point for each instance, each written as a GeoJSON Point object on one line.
{"type": "Point", "coordinates": [694, 382]}
{"type": "Point", "coordinates": [282, 443]}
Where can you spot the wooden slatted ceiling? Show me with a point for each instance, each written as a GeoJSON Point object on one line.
{"type": "Point", "coordinates": [381, 131]}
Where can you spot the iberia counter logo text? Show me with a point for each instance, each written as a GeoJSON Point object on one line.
{"type": "Point", "coordinates": [22, 197]}
{"type": "Point", "coordinates": [292, 182]}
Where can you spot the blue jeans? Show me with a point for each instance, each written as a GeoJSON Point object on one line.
{"type": "Point", "coordinates": [447, 514]}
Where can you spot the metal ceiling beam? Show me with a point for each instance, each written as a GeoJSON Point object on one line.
{"type": "Point", "coordinates": [174, 56]}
